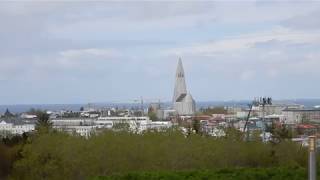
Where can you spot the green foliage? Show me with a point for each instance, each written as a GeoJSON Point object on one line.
{"type": "Point", "coordinates": [255, 135]}
{"type": "Point", "coordinates": [222, 174]}
{"type": "Point", "coordinates": [62, 156]}
{"type": "Point", "coordinates": [9, 153]}
{"type": "Point", "coordinates": [196, 126]}
{"type": "Point", "coordinates": [304, 118]}
{"type": "Point", "coordinates": [121, 126]}
{"type": "Point", "coordinates": [153, 116]}
{"type": "Point", "coordinates": [43, 125]}
{"type": "Point", "coordinates": [216, 110]}
{"type": "Point", "coordinates": [5, 159]}
{"type": "Point", "coordinates": [279, 133]}
{"type": "Point", "coordinates": [152, 112]}
{"type": "Point", "coordinates": [233, 134]}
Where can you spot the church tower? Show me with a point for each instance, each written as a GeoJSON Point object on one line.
{"type": "Point", "coordinates": [183, 102]}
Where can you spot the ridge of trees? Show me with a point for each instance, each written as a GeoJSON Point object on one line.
{"type": "Point", "coordinates": [57, 155]}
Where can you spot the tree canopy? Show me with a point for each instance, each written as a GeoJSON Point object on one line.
{"type": "Point", "coordinates": [43, 124]}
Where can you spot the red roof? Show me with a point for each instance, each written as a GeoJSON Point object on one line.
{"type": "Point", "coordinates": [204, 117]}
{"type": "Point", "coordinates": [306, 126]}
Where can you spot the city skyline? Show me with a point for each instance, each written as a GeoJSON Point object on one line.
{"type": "Point", "coordinates": [79, 52]}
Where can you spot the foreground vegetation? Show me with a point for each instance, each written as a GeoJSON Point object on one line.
{"type": "Point", "coordinates": [223, 174]}
{"type": "Point", "coordinates": [56, 155]}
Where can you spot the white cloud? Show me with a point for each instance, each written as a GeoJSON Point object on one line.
{"type": "Point", "coordinates": [245, 42]}
{"type": "Point", "coordinates": [307, 21]}
{"type": "Point", "coordinates": [222, 45]}
{"type": "Point", "coordinates": [86, 58]}
{"type": "Point", "coordinates": [247, 75]}
{"type": "Point", "coordinates": [248, 12]}
{"type": "Point", "coordinates": [91, 52]}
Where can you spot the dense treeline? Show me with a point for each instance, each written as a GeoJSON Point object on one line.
{"type": "Point", "coordinates": [213, 110]}
{"type": "Point", "coordinates": [10, 148]}
{"type": "Point", "coordinates": [55, 155]}
{"type": "Point", "coordinates": [222, 174]}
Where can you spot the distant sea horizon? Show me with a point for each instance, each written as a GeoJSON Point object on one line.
{"type": "Point", "coordinates": [19, 108]}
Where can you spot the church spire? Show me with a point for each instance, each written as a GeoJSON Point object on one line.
{"type": "Point", "coordinates": [183, 102]}
{"type": "Point", "coordinates": [180, 88]}
{"type": "Point", "coordinates": [8, 113]}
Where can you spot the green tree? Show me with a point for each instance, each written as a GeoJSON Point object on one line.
{"type": "Point", "coordinates": [43, 125]}
{"type": "Point", "coordinates": [215, 110]}
{"type": "Point", "coordinates": [63, 156]}
{"type": "Point", "coordinates": [234, 134]}
{"type": "Point", "coordinates": [304, 119]}
{"type": "Point", "coordinates": [280, 133]}
{"type": "Point", "coordinates": [121, 126]}
{"type": "Point", "coordinates": [196, 126]}
{"type": "Point", "coordinates": [153, 116]}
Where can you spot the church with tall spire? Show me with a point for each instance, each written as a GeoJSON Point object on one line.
{"type": "Point", "coordinates": [183, 102]}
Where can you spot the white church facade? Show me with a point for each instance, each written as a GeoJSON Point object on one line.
{"type": "Point", "coordinates": [183, 102]}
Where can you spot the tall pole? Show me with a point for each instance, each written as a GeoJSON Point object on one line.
{"type": "Point", "coordinates": [264, 121]}
{"type": "Point", "coordinates": [312, 158]}
{"type": "Point", "coordinates": [142, 111]}
{"type": "Point", "coordinates": [245, 129]}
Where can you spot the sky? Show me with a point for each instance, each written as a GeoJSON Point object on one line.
{"type": "Point", "coordinates": [115, 51]}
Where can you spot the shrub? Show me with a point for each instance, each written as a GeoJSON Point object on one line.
{"type": "Point", "coordinates": [62, 156]}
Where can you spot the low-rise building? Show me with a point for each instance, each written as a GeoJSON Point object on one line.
{"type": "Point", "coordinates": [85, 131]}
{"type": "Point", "coordinates": [275, 109]}
{"type": "Point", "coordinates": [135, 123]}
{"type": "Point", "coordinates": [159, 125]}
{"type": "Point", "coordinates": [7, 128]}
{"type": "Point", "coordinates": [72, 122]}
{"type": "Point", "coordinates": [297, 116]}
{"type": "Point", "coordinates": [28, 116]}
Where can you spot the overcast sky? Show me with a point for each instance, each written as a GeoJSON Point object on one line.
{"type": "Point", "coordinates": [80, 52]}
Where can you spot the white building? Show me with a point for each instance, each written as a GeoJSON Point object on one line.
{"type": "Point", "coordinates": [85, 131]}
{"type": "Point", "coordinates": [85, 126]}
{"type": "Point", "coordinates": [28, 116]}
{"type": "Point", "coordinates": [183, 102]}
{"type": "Point", "coordinates": [82, 126]}
{"type": "Point", "coordinates": [275, 109]}
{"type": "Point", "coordinates": [159, 125]}
{"type": "Point", "coordinates": [136, 123]}
{"type": "Point", "coordinates": [10, 128]}
{"type": "Point", "coordinates": [296, 116]}
{"type": "Point", "coordinates": [72, 122]}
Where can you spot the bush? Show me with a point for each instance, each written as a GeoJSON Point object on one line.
{"type": "Point", "coordinates": [62, 156]}
{"type": "Point", "coordinates": [9, 152]}
{"type": "Point", "coordinates": [223, 174]}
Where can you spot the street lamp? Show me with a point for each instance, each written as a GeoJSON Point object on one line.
{"type": "Point", "coordinates": [312, 158]}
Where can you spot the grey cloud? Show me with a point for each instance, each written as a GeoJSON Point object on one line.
{"type": "Point", "coordinates": [276, 44]}
{"type": "Point", "coordinates": [308, 21]}
{"type": "Point", "coordinates": [34, 37]}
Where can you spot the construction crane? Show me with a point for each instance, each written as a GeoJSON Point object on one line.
{"type": "Point", "coordinates": [263, 101]}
